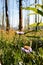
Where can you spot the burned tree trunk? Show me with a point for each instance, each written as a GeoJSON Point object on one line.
{"type": "Point", "coordinates": [7, 19]}
{"type": "Point", "coordinates": [20, 15]}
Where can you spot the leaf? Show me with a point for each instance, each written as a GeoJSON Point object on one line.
{"type": "Point", "coordinates": [39, 5]}
{"type": "Point", "coordinates": [33, 9]}
{"type": "Point", "coordinates": [32, 14]}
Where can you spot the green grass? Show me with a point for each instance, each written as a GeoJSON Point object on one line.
{"type": "Point", "coordinates": [10, 50]}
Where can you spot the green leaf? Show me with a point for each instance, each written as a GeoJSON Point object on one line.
{"type": "Point", "coordinates": [34, 10]}
{"type": "Point", "coordinates": [39, 5]}
{"type": "Point", "coordinates": [32, 14]}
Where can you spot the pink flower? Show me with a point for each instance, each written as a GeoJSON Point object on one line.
{"type": "Point", "coordinates": [26, 50]}
{"type": "Point", "coordinates": [19, 32]}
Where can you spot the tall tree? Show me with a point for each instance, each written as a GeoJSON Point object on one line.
{"type": "Point", "coordinates": [35, 14]}
{"type": "Point", "coordinates": [7, 19]}
{"type": "Point", "coordinates": [42, 9]}
{"type": "Point", "coordinates": [3, 16]}
{"type": "Point", "coordinates": [20, 15]}
{"type": "Point", "coordinates": [38, 14]}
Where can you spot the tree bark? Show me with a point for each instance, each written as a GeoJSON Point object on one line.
{"type": "Point", "coordinates": [7, 19]}
{"type": "Point", "coordinates": [35, 14]}
{"type": "Point", "coordinates": [3, 17]}
{"type": "Point", "coordinates": [20, 15]}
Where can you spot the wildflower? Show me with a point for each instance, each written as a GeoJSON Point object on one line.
{"type": "Point", "coordinates": [26, 49]}
{"type": "Point", "coordinates": [20, 63]}
{"type": "Point", "coordinates": [19, 32]}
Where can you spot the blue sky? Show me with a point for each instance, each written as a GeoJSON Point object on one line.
{"type": "Point", "coordinates": [14, 12]}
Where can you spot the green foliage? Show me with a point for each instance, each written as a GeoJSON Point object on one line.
{"type": "Point", "coordinates": [41, 24]}
{"type": "Point", "coordinates": [39, 6]}
{"type": "Point", "coordinates": [33, 25]}
{"type": "Point", "coordinates": [35, 10]}
{"type": "Point", "coordinates": [11, 53]}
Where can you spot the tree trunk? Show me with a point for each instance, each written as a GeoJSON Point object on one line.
{"type": "Point", "coordinates": [35, 14]}
{"type": "Point", "coordinates": [38, 14]}
{"type": "Point", "coordinates": [3, 17]}
{"type": "Point", "coordinates": [20, 15]}
{"type": "Point", "coordinates": [7, 19]}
